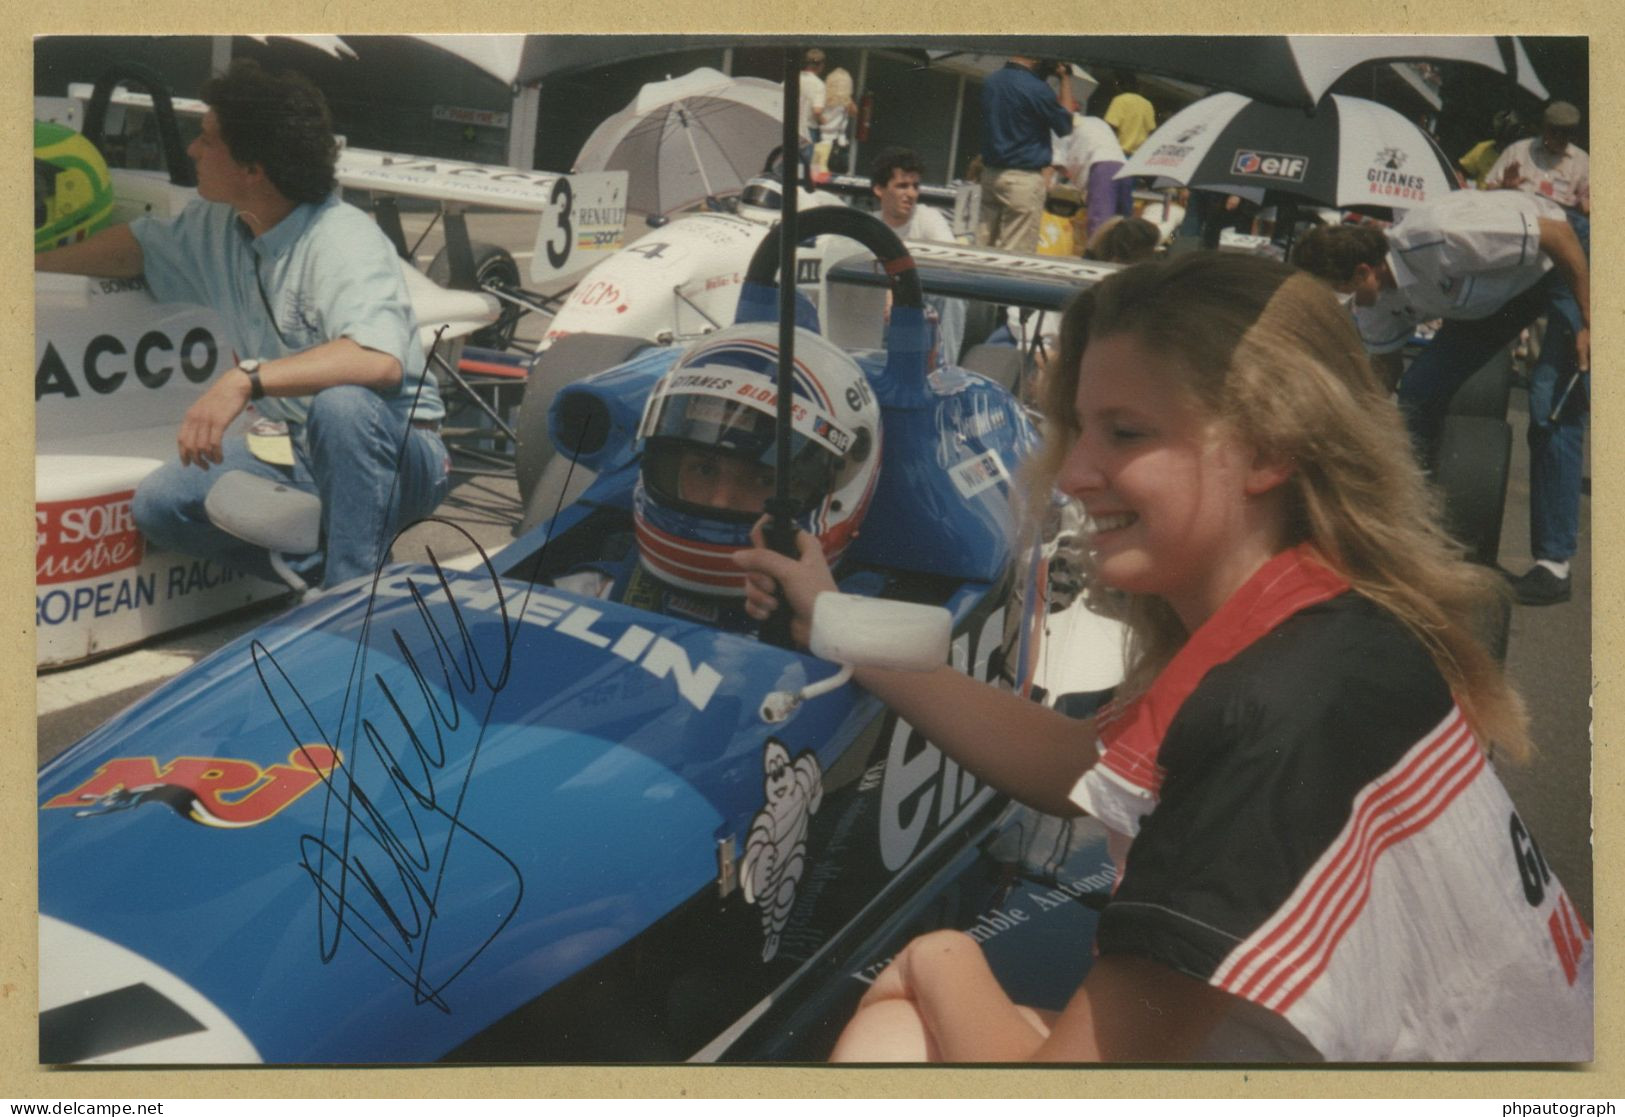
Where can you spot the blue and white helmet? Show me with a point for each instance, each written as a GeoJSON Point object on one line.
{"type": "Point", "coordinates": [720, 401]}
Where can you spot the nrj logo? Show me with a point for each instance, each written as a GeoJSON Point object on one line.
{"type": "Point", "coordinates": [208, 790]}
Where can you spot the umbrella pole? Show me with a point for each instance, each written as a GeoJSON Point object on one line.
{"type": "Point", "coordinates": [688, 134]}
{"type": "Point", "coordinates": [782, 508]}
{"type": "Point", "coordinates": [1287, 211]}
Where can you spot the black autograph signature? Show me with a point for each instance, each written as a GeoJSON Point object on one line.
{"type": "Point", "coordinates": [408, 739]}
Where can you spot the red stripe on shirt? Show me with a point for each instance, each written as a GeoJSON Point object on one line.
{"type": "Point", "coordinates": [1287, 584]}
{"type": "Point", "coordinates": [1286, 959]}
{"type": "Point", "coordinates": [1463, 776]}
{"type": "Point", "coordinates": [1283, 934]}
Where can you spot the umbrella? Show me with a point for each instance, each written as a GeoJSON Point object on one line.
{"type": "Point", "coordinates": [1285, 69]}
{"type": "Point", "coordinates": [327, 44]}
{"type": "Point", "coordinates": [529, 59]}
{"type": "Point", "coordinates": [1288, 69]}
{"type": "Point", "coordinates": [1350, 152]}
{"type": "Point", "coordinates": [686, 139]}
{"type": "Point", "coordinates": [498, 55]}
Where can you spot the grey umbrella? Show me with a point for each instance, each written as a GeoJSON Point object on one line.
{"type": "Point", "coordinates": [686, 139]}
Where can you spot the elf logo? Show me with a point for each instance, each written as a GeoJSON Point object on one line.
{"type": "Point", "coordinates": [1270, 165]}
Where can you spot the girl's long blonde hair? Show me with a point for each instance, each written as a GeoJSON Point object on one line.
{"type": "Point", "coordinates": [1269, 352]}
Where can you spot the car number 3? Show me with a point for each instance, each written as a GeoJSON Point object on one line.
{"type": "Point", "coordinates": [562, 198]}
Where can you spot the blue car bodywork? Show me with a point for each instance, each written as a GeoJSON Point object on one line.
{"type": "Point", "coordinates": [465, 815]}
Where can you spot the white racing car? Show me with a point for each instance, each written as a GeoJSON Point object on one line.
{"type": "Point", "coordinates": [681, 280]}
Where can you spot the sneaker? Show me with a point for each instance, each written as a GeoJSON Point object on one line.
{"type": "Point", "coordinates": [1541, 587]}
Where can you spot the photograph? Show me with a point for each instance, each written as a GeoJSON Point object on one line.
{"type": "Point", "coordinates": [786, 549]}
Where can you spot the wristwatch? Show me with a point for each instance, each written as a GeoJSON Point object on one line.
{"type": "Point", "coordinates": [256, 390]}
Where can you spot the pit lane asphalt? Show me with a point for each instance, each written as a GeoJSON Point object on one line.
{"type": "Point", "coordinates": [1549, 655]}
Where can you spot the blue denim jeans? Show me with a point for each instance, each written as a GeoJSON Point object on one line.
{"type": "Point", "coordinates": [373, 473]}
{"type": "Point", "coordinates": [1557, 449]}
{"type": "Point", "coordinates": [1461, 347]}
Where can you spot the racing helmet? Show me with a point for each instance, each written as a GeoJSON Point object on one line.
{"type": "Point", "coordinates": [761, 199]}
{"type": "Point", "coordinates": [709, 455]}
{"type": "Point", "coordinates": [73, 191]}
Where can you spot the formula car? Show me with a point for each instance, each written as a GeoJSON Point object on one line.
{"type": "Point", "coordinates": [115, 370]}
{"type": "Point", "coordinates": [445, 815]}
{"type": "Point", "coordinates": [678, 281]}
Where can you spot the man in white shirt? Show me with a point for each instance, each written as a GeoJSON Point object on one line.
{"type": "Point", "coordinates": [1091, 158]}
{"type": "Point", "coordinates": [1488, 263]}
{"type": "Point", "coordinates": [894, 176]}
{"type": "Point", "coordinates": [812, 95]}
{"type": "Point", "coordinates": [1549, 165]}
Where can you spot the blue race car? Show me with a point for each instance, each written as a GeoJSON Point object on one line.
{"type": "Point", "coordinates": [480, 816]}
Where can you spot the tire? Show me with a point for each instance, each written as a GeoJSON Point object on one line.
{"type": "Point", "coordinates": [564, 362]}
{"type": "Point", "coordinates": [494, 266]}
{"type": "Point", "coordinates": [561, 483]}
{"type": "Point", "coordinates": [1473, 460]}
{"type": "Point", "coordinates": [1485, 393]}
{"type": "Point", "coordinates": [1000, 363]}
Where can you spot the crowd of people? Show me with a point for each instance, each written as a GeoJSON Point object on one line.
{"type": "Point", "coordinates": [1315, 860]}
{"type": "Point", "coordinates": [1479, 269]}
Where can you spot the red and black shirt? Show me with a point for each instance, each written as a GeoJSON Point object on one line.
{"type": "Point", "coordinates": [1315, 829]}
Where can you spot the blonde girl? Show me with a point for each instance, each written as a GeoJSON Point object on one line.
{"type": "Point", "coordinates": [1317, 862]}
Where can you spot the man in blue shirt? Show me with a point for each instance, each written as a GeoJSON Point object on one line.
{"type": "Point", "coordinates": [312, 293]}
{"type": "Point", "coordinates": [1019, 113]}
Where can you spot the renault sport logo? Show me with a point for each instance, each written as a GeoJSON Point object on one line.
{"type": "Point", "coordinates": [1270, 164]}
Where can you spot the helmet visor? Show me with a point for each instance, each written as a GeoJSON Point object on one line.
{"type": "Point", "coordinates": [718, 456]}
{"type": "Point", "coordinates": [760, 194]}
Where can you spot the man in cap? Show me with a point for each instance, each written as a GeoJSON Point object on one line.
{"type": "Point", "coordinates": [1019, 112]}
{"type": "Point", "coordinates": [1488, 263]}
{"type": "Point", "coordinates": [1552, 166]}
{"type": "Point", "coordinates": [1549, 165]}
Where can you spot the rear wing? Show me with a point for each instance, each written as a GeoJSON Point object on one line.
{"type": "Point", "coordinates": [582, 218]}
{"type": "Point", "coordinates": [985, 274]}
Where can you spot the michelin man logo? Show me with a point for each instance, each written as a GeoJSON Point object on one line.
{"type": "Point", "coordinates": [774, 849]}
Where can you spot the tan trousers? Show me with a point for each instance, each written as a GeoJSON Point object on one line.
{"type": "Point", "coordinates": [1012, 209]}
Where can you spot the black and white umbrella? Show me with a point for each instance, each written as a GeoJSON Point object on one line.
{"type": "Point", "coordinates": [1348, 152]}
{"type": "Point", "coordinates": [1287, 69]}
{"type": "Point", "coordinates": [1291, 69]}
